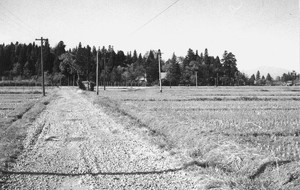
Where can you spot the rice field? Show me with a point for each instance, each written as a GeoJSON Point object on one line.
{"type": "Point", "coordinates": [14, 96]}
{"type": "Point", "coordinates": [236, 131]}
{"type": "Point", "coordinates": [264, 118]}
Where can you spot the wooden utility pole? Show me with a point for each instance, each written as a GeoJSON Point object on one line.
{"type": "Point", "coordinates": [42, 64]}
{"type": "Point", "coordinates": [159, 54]}
{"type": "Point", "coordinates": [97, 73]}
{"type": "Point", "coordinates": [196, 79]}
{"type": "Point", "coordinates": [104, 58]}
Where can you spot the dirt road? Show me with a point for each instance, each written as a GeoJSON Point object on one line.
{"type": "Point", "coordinates": [74, 145]}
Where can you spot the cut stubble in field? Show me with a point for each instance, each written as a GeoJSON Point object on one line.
{"type": "Point", "coordinates": [14, 126]}
{"type": "Point", "coordinates": [237, 137]}
{"type": "Point", "coordinates": [248, 133]}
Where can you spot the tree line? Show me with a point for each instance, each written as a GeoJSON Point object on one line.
{"type": "Point", "coordinates": [259, 80]}
{"type": "Point", "coordinates": [22, 61]}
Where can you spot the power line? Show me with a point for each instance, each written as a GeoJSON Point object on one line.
{"type": "Point", "coordinates": [142, 26]}
{"type": "Point", "coordinates": [11, 21]}
{"type": "Point", "coordinates": [17, 18]}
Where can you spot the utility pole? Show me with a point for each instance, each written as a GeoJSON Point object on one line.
{"type": "Point", "coordinates": [97, 73]}
{"type": "Point", "coordinates": [104, 57]}
{"type": "Point", "coordinates": [42, 64]}
{"type": "Point", "coordinates": [196, 79]}
{"type": "Point", "coordinates": [159, 54]}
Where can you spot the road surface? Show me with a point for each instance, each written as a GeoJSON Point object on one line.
{"type": "Point", "coordinates": [76, 145]}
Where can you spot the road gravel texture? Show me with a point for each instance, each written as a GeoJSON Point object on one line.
{"type": "Point", "coordinates": [75, 145]}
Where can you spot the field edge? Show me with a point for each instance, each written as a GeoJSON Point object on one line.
{"type": "Point", "coordinates": [15, 127]}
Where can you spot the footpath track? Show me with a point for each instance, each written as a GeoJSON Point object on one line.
{"type": "Point", "coordinates": [75, 145]}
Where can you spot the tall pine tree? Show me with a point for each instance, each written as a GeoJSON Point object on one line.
{"type": "Point", "coordinates": [173, 73]}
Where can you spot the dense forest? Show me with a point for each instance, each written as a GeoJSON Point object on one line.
{"type": "Point", "coordinates": [22, 61]}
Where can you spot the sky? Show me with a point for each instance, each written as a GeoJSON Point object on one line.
{"type": "Point", "coordinates": [258, 32]}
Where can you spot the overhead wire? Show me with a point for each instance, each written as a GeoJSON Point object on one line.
{"type": "Point", "coordinates": [6, 19]}
{"type": "Point", "coordinates": [11, 26]}
{"type": "Point", "coordinates": [17, 19]}
{"type": "Point", "coordinates": [153, 18]}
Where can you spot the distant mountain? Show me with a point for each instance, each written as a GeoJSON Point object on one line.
{"type": "Point", "coordinates": [264, 70]}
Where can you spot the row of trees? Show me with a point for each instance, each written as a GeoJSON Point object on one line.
{"type": "Point", "coordinates": [203, 69]}
{"type": "Point", "coordinates": [23, 61]}
{"type": "Point", "coordinates": [290, 76]}
{"type": "Point", "coordinates": [260, 80]}
{"type": "Point", "coordinates": [269, 80]}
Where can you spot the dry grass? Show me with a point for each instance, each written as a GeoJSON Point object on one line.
{"type": "Point", "coordinates": [238, 131]}
{"type": "Point", "coordinates": [14, 128]}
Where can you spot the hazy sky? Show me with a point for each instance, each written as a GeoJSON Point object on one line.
{"type": "Point", "coordinates": [258, 32]}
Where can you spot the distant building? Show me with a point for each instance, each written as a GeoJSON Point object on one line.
{"type": "Point", "coordinates": [88, 85]}
{"type": "Point", "coordinates": [289, 83]}
{"type": "Point", "coordinates": [297, 82]}
{"type": "Point", "coordinates": [141, 79]}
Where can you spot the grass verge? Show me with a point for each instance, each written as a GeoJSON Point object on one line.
{"type": "Point", "coordinates": [14, 129]}
{"type": "Point", "coordinates": [113, 109]}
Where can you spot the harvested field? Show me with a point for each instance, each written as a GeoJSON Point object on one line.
{"type": "Point", "coordinates": [12, 97]}
{"type": "Point", "coordinates": [244, 131]}
{"type": "Point", "coordinates": [210, 138]}
{"type": "Point", "coordinates": [19, 106]}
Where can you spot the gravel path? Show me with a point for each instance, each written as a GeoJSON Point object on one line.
{"type": "Point", "coordinates": [74, 145]}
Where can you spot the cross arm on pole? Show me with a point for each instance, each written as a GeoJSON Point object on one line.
{"type": "Point", "coordinates": [42, 67]}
